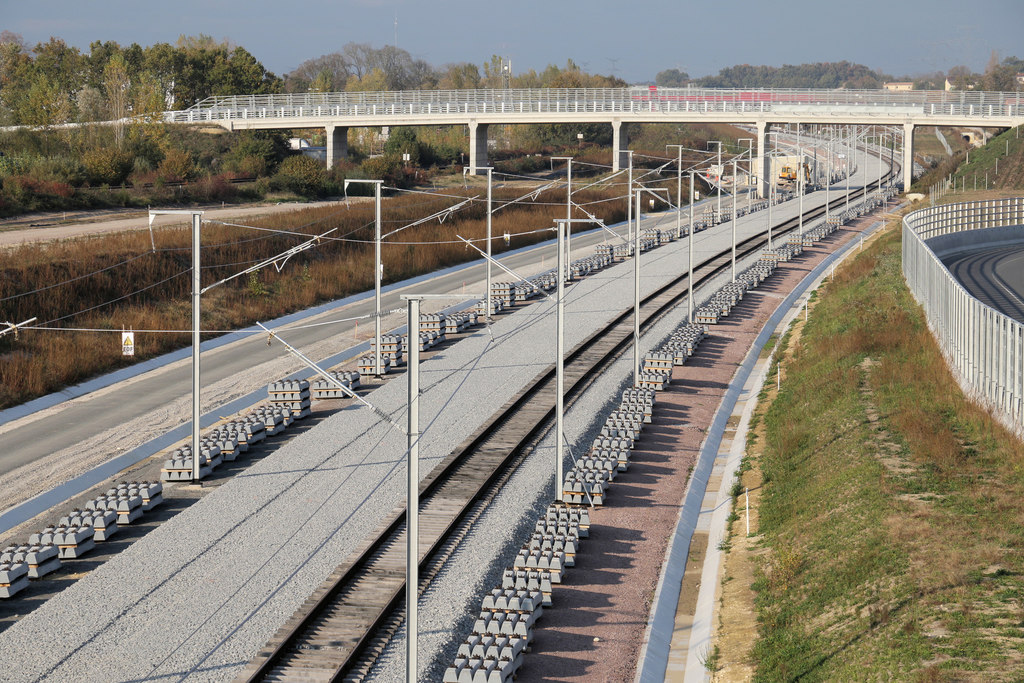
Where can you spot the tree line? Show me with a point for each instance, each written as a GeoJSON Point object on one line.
{"type": "Point", "coordinates": [54, 83]}
{"type": "Point", "coordinates": [998, 76]}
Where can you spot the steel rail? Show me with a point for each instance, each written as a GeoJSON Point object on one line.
{"type": "Point", "coordinates": [287, 643]}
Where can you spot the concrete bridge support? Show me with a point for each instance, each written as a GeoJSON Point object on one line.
{"type": "Point", "coordinates": [477, 146]}
{"type": "Point", "coordinates": [761, 167]}
{"type": "Point", "coordinates": [908, 156]}
{"type": "Point", "coordinates": [337, 144]}
{"type": "Point", "coordinates": [620, 143]}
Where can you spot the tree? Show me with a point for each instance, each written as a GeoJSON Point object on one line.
{"type": "Point", "coordinates": [402, 140]}
{"type": "Point", "coordinates": [116, 85]}
{"type": "Point", "coordinates": [672, 78]}
{"type": "Point", "coordinates": [961, 78]}
{"type": "Point", "coordinates": [45, 104]}
{"type": "Point", "coordinates": [374, 81]}
{"type": "Point", "coordinates": [459, 76]}
{"type": "Point", "coordinates": [64, 66]}
{"type": "Point", "coordinates": [335, 64]}
{"type": "Point", "coordinates": [324, 82]}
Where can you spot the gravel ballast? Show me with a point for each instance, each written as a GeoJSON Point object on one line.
{"type": "Point", "coordinates": [199, 596]}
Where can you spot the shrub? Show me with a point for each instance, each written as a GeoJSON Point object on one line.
{"type": "Point", "coordinates": [387, 167]}
{"type": "Point", "coordinates": [254, 153]}
{"type": "Point", "coordinates": [302, 175]}
{"type": "Point", "coordinates": [177, 165]}
{"type": "Point", "coordinates": [213, 189]}
{"type": "Point", "coordinates": [60, 169]}
{"type": "Point", "coordinates": [106, 166]}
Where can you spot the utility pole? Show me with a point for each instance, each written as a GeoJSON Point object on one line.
{"type": "Point", "coordinates": [196, 292]}
{"type": "Point", "coordinates": [490, 210]}
{"type": "Point", "coordinates": [689, 249]}
{"type": "Point", "coordinates": [636, 296]}
{"type": "Point", "coordinates": [771, 188]}
{"type": "Point", "coordinates": [412, 553]}
{"type": "Point", "coordinates": [718, 211]}
{"type": "Point", "coordinates": [560, 361]}
{"type": "Point", "coordinates": [735, 199]}
{"type": "Point", "coordinates": [750, 168]}
{"type": "Point", "coordinates": [849, 160]}
{"type": "Point", "coordinates": [629, 195]}
{"type": "Point", "coordinates": [800, 181]}
{"type": "Point", "coordinates": [679, 191]}
{"type": "Point", "coordinates": [568, 208]}
{"type": "Point", "coordinates": [378, 270]}
{"type": "Point", "coordinates": [828, 173]}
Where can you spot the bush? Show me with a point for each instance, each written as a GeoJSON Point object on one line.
{"type": "Point", "coordinates": [106, 166]}
{"type": "Point", "coordinates": [302, 175]}
{"type": "Point", "coordinates": [177, 165]}
{"type": "Point", "coordinates": [214, 189]}
{"type": "Point", "coordinates": [254, 153]}
{"type": "Point", "coordinates": [60, 170]}
{"type": "Point", "coordinates": [387, 167]}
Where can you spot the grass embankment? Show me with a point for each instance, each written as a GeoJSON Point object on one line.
{"type": "Point", "coordinates": [1005, 151]}
{"type": "Point", "coordinates": [890, 517]}
{"type": "Point", "coordinates": [116, 282]}
{"type": "Point", "coordinates": [927, 143]}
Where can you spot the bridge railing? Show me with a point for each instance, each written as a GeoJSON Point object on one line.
{"type": "Point", "coordinates": [599, 100]}
{"type": "Point", "coordinates": [984, 347]}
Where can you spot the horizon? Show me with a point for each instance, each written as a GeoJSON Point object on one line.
{"type": "Point", "coordinates": [764, 39]}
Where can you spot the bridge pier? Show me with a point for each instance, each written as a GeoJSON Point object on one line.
{"type": "Point", "coordinates": [477, 146]}
{"type": "Point", "coordinates": [761, 167]}
{"type": "Point", "coordinates": [620, 143]}
{"type": "Point", "coordinates": [908, 156]}
{"type": "Point", "coordinates": [337, 144]}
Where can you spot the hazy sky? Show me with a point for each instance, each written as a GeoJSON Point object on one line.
{"type": "Point", "coordinates": [634, 39]}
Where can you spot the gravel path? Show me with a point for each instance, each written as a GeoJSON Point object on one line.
{"type": "Point", "coordinates": [199, 596]}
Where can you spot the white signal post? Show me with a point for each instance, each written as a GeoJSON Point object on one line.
{"type": "Point", "coordinates": [378, 268]}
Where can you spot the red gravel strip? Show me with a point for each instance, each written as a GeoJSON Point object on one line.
{"type": "Point", "coordinates": [596, 626]}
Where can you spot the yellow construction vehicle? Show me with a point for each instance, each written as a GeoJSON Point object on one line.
{"type": "Point", "coordinates": [788, 178]}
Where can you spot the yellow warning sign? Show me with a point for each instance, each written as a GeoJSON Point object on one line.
{"type": "Point", "coordinates": [127, 343]}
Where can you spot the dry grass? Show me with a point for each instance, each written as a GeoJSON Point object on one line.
{"type": "Point", "coordinates": [115, 282]}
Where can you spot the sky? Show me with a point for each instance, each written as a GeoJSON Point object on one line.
{"type": "Point", "coordinates": [630, 39]}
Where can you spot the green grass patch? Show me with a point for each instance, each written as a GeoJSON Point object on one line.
{"type": "Point", "coordinates": [890, 508]}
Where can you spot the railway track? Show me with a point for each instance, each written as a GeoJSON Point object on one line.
{"type": "Point", "coordinates": [342, 628]}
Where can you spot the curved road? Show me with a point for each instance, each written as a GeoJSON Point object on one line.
{"type": "Point", "coordinates": [994, 276]}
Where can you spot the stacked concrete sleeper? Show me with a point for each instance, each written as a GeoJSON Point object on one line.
{"type": "Point", "coordinates": [501, 635]}
{"type": "Point", "coordinates": [75, 534]}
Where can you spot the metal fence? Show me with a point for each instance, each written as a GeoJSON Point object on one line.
{"type": "Point", "coordinates": [600, 101]}
{"type": "Point", "coordinates": [984, 347]}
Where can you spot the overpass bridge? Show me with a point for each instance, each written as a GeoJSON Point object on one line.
{"type": "Point", "coordinates": [338, 111]}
